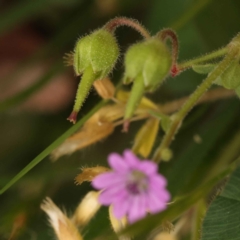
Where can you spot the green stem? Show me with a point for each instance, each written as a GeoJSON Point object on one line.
{"type": "Point", "coordinates": [204, 58]}
{"type": "Point", "coordinates": [194, 97]}
{"type": "Point", "coordinates": [51, 147]}
{"type": "Point", "coordinates": [198, 214]}
{"type": "Point", "coordinates": [170, 34]}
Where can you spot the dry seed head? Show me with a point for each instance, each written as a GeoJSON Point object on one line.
{"type": "Point", "coordinates": [86, 209]}
{"type": "Point", "coordinates": [62, 225]}
{"type": "Point", "coordinates": [104, 88]}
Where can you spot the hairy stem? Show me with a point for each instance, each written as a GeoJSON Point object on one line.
{"type": "Point", "coordinates": [194, 97]}
{"type": "Point", "coordinates": [207, 57]}
{"type": "Point", "coordinates": [123, 21]}
{"type": "Point", "coordinates": [170, 34]}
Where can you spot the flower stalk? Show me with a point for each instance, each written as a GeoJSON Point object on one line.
{"type": "Point", "coordinates": [170, 34]}
{"type": "Point", "coordinates": [123, 21]}
{"type": "Point", "coordinates": [199, 60]}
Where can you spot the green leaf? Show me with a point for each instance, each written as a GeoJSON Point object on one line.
{"type": "Point", "coordinates": [223, 217]}
{"type": "Point", "coordinates": [203, 68]}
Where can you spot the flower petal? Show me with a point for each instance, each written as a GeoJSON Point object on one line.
{"type": "Point", "coordinates": [111, 195]}
{"type": "Point", "coordinates": [155, 204]}
{"type": "Point", "coordinates": [138, 208]}
{"type": "Point", "coordinates": [121, 207]}
{"type": "Point", "coordinates": [148, 167]}
{"type": "Point", "coordinates": [163, 194]}
{"type": "Point", "coordinates": [117, 163]}
{"type": "Point", "coordinates": [153, 196]}
{"type": "Point", "coordinates": [131, 159]}
{"type": "Point", "coordinates": [105, 180]}
{"type": "Point", "coordinates": [158, 181]}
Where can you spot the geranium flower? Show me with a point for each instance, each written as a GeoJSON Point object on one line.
{"type": "Point", "coordinates": [133, 188]}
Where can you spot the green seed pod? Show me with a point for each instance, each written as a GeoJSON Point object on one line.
{"type": "Point", "coordinates": [147, 64]}
{"type": "Point", "coordinates": [151, 59]}
{"type": "Point", "coordinates": [94, 57]}
{"type": "Point", "coordinates": [230, 79]}
{"type": "Point", "coordinates": [98, 50]}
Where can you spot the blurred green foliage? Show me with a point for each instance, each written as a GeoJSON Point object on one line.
{"type": "Point", "coordinates": [202, 26]}
{"type": "Point", "coordinates": [222, 219]}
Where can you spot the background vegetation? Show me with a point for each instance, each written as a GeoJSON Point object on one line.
{"type": "Point", "coordinates": [37, 93]}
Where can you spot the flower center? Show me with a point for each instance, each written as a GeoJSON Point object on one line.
{"type": "Point", "coordinates": [137, 182]}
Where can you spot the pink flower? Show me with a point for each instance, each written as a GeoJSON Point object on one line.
{"type": "Point", "coordinates": [134, 187]}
